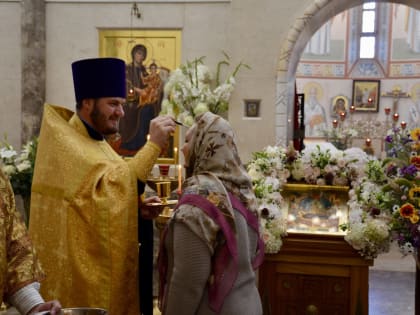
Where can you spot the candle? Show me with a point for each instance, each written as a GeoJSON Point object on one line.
{"type": "Point", "coordinates": [342, 116]}
{"type": "Point", "coordinates": [175, 154]}
{"type": "Point", "coordinates": [368, 142]}
{"type": "Point", "coordinates": [148, 137]}
{"type": "Point", "coordinates": [387, 110]}
{"type": "Point", "coordinates": [335, 123]}
{"type": "Point", "coordinates": [403, 124]}
{"type": "Point", "coordinates": [179, 177]}
{"type": "Point", "coordinates": [395, 117]}
{"type": "Point", "coordinates": [352, 109]}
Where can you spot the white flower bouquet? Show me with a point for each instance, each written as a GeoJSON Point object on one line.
{"type": "Point", "coordinates": [192, 90]}
{"type": "Point", "coordinates": [19, 167]}
{"type": "Point", "coordinates": [271, 168]}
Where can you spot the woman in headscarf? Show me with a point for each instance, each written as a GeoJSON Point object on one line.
{"type": "Point", "coordinates": [211, 247]}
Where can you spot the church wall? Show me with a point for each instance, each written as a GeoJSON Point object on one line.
{"type": "Point", "coordinates": [10, 71]}
{"type": "Point", "coordinates": [331, 74]}
{"type": "Point", "coordinates": [247, 31]}
{"type": "Point", "coordinates": [251, 31]}
{"type": "Point", "coordinates": [257, 32]}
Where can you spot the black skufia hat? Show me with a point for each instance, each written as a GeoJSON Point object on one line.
{"type": "Point", "coordinates": [99, 77]}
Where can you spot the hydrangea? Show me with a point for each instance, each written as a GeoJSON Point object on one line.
{"type": "Point", "coordinates": [369, 236]}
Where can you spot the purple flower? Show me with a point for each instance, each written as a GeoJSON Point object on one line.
{"type": "Point", "coordinates": [406, 140]}
{"type": "Point", "coordinates": [410, 170]}
{"type": "Point", "coordinates": [391, 169]}
{"type": "Point", "coordinates": [392, 152]}
{"type": "Point", "coordinates": [374, 211]}
{"type": "Point", "coordinates": [388, 139]}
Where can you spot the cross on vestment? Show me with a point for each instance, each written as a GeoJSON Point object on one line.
{"type": "Point", "coordinates": [396, 94]}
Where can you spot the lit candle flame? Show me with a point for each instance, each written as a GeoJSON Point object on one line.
{"type": "Point", "coordinates": [175, 154]}
{"type": "Point", "coordinates": [179, 178]}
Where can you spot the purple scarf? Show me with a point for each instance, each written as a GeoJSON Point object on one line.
{"type": "Point", "coordinates": [225, 262]}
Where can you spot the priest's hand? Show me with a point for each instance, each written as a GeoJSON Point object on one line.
{"type": "Point", "coordinates": [160, 130]}
{"type": "Point", "coordinates": [151, 207]}
{"type": "Point", "coordinates": [51, 307]}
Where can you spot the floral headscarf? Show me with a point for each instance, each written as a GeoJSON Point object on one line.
{"type": "Point", "coordinates": [214, 172]}
{"type": "Point", "coordinates": [213, 150]}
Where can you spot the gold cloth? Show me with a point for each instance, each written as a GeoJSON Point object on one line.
{"type": "Point", "coordinates": [84, 215]}
{"type": "Point", "coordinates": [18, 262]}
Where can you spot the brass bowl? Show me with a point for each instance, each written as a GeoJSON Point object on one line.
{"type": "Point", "coordinates": [166, 214]}
{"type": "Point", "coordinates": [170, 203]}
{"type": "Point", "coordinates": [83, 311]}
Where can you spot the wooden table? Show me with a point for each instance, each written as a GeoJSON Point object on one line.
{"type": "Point", "coordinates": [315, 274]}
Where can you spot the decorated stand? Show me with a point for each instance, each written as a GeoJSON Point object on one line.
{"type": "Point", "coordinates": [316, 271]}
{"type": "Point", "coordinates": [326, 214]}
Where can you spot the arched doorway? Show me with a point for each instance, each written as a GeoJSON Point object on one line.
{"type": "Point", "coordinates": [299, 34]}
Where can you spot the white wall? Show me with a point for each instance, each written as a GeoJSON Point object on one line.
{"type": "Point", "coordinates": [247, 30]}
{"type": "Point", "coordinates": [10, 71]}
{"type": "Point", "coordinates": [253, 31]}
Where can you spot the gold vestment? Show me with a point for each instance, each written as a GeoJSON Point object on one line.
{"type": "Point", "coordinates": [18, 262]}
{"type": "Point", "coordinates": [83, 218]}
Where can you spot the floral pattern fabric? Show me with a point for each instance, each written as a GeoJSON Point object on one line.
{"type": "Point", "coordinates": [214, 171]}
{"type": "Point", "coordinates": [19, 265]}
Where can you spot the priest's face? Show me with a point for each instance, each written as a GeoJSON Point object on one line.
{"type": "Point", "coordinates": [106, 113]}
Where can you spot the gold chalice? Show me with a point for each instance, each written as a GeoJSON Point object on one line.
{"type": "Point", "coordinates": [152, 182]}
{"type": "Point", "coordinates": [163, 186]}
{"type": "Point", "coordinates": [163, 190]}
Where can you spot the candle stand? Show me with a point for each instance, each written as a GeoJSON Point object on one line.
{"type": "Point", "coordinates": [164, 186]}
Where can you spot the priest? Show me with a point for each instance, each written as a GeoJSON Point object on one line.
{"type": "Point", "coordinates": [85, 197]}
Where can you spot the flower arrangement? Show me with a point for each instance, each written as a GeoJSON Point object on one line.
{"type": "Point", "coordinates": [269, 171]}
{"type": "Point", "coordinates": [19, 167]}
{"type": "Point", "coordinates": [271, 168]}
{"type": "Point", "coordinates": [339, 136]}
{"type": "Point", "coordinates": [192, 89]}
{"type": "Point", "coordinates": [368, 228]}
{"type": "Point", "coordinates": [388, 198]}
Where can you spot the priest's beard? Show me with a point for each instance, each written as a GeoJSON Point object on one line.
{"type": "Point", "coordinates": [100, 120]}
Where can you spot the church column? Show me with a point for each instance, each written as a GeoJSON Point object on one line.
{"type": "Point", "coordinates": [33, 66]}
